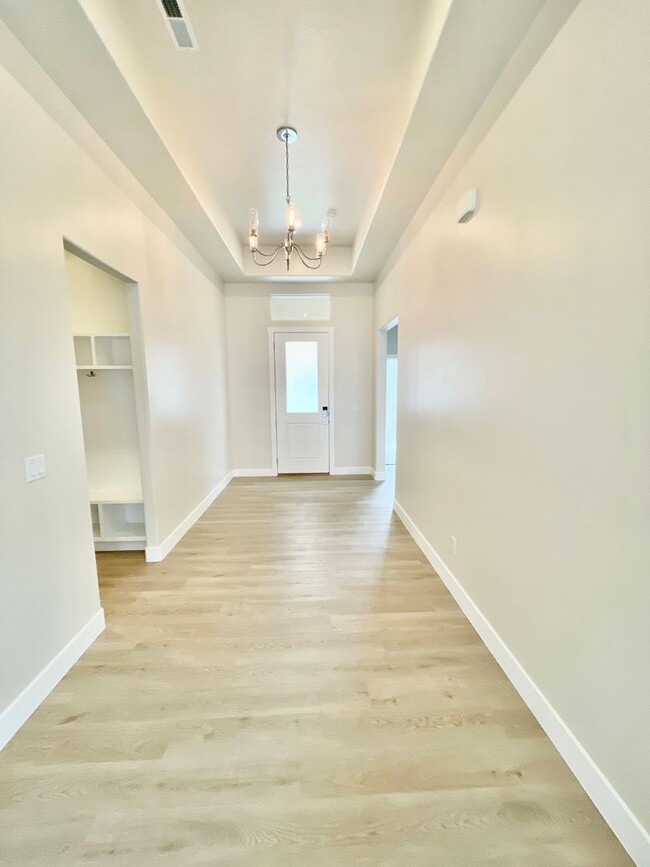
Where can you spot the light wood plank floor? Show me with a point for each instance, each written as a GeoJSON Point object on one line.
{"type": "Point", "coordinates": [292, 687]}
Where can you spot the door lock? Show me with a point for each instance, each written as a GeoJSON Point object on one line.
{"type": "Point", "coordinates": [326, 415]}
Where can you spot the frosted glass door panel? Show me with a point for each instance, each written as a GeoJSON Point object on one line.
{"type": "Point", "coordinates": [301, 366]}
{"type": "Point", "coordinates": [302, 376]}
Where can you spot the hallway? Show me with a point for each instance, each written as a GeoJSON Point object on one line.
{"type": "Point", "coordinates": [293, 686]}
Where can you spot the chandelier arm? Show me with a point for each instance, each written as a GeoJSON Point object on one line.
{"type": "Point", "coordinates": [304, 258]}
{"type": "Point", "coordinates": [268, 255]}
{"type": "Point", "coordinates": [303, 254]}
{"type": "Point", "coordinates": [271, 255]}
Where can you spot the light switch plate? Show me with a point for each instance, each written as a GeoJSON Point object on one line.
{"type": "Point", "coordinates": [35, 468]}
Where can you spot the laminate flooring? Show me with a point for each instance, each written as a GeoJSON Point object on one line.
{"type": "Point", "coordinates": [292, 687]}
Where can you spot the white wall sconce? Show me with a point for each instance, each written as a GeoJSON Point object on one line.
{"type": "Point", "coordinates": [467, 206]}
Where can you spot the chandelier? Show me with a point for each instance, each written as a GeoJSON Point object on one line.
{"type": "Point", "coordinates": [288, 135]}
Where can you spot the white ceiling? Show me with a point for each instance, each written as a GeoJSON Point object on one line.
{"type": "Point", "coordinates": [379, 90]}
{"type": "Point", "coordinates": [262, 64]}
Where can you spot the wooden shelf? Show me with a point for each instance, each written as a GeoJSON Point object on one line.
{"type": "Point", "coordinates": [104, 367]}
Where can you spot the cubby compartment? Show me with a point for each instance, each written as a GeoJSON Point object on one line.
{"type": "Point", "coordinates": [83, 350]}
{"type": "Point", "coordinates": [112, 350]}
{"type": "Point", "coordinates": [122, 522]}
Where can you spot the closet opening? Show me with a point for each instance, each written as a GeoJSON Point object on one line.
{"type": "Point", "coordinates": [391, 396]}
{"type": "Point", "coordinates": [386, 401]}
{"type": "Point", "coordinates": [110, 380]}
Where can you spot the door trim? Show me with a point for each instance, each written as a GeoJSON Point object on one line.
{"type": "Point", "coordinates": [381, 355]}
{"type": "Point", "coordinates": [296, 329]}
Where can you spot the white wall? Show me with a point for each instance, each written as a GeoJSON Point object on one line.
{"type": "Point", "coordinates": [98, 300]}
{"type": "Point", "coordinates": [524, 395]}
{"type": "Point", "coordinates": [49, 190]}
{"type": "Point", "coordinates": [183, 320]}
{"type": "Point", "coordinates": [248, 318]}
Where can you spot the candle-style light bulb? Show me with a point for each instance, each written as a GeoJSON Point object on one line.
{"type": "Point", "coordinates": [253, 228]}
{"type": "Point", "coordinates": [321, 244]}
{"type": "Point", "coordinates": [292, 217]}
{"type": "Point", "coordinates": [326, 226]}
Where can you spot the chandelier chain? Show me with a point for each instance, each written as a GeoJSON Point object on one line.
{"type": "Point", "coordinates": [286, 151]}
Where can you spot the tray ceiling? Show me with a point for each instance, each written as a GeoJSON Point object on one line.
{"type": "Point", "coordinates": [380, 91]}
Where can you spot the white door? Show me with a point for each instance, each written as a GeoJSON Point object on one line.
{"type": "Point", "coordinates": [302, 402]}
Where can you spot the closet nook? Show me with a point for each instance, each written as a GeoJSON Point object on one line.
{"type": "Point", "coordinates": [104, 361]}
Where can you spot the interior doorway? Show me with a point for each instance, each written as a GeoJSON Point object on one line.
{"type": "Point", "coordinates": [302, 409]}
{"type": "Point", "coordinates": [386, 400]}
{"type": "Point", "coordinates": [391, 395]}
{"type": "Point", "coordinates": [103, 307]}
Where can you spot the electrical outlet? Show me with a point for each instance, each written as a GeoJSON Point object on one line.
{"type": "Point", "coordinates": [454, 544]}
{"type": "Point", "coordinates": [35, 468]}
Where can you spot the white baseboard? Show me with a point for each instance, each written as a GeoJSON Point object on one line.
{"type": "Point", "coordinates": [379, 475]}
{"type": "Point", "coordinates": [156, 553]}
{"type": "Point", "coordinates": [335, 471]}
{"type": "Point", "coordinates": [614, 810]}
{"type": "Point", "coordinates": [22, 707]}
{"type": "Point", "coordinates": [351, 471]}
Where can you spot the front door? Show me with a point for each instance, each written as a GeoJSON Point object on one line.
{"type": "Point", "coordinates": [302, 401]}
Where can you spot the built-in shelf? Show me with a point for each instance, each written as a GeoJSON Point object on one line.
{"type": "Point", "coordinates": [118, 522]}
{"type": "Point", "coordinates": [115, 495]}
{"type": "Point", "coordinates": [113, 476]}
{"type": "Point", "coordinates": [112, 458]}
{"type": "Point", "coordinates": [121, 522]}
{"type": "Point", "coordinates": [101, 307]}
{"type": "Point", "coordinates": [106, 495]}
{"type": "Point", "coordinates": [83, 351]}
{"type": "Point", "coordinates": [112, 350]}
{"type": "Point", "coordinates": [104, 367]}
{"type": "Point", "coordinates": [102, 351]}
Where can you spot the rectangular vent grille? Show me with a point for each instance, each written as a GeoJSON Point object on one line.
{"type": "Point", "coordinates": [172, 8]}
{"type": "Point", "coordinates": [181, 34]}
{"type": "Point", "coordinates": [178, 25]}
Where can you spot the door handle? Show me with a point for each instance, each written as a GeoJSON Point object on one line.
{"type": "Point", "coordinates": [325, 415]}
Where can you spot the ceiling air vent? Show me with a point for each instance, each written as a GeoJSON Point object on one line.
{"type": "Point", "coordinates": [175, 15]}
{"type": "Point", "coordinates": [172, 9]}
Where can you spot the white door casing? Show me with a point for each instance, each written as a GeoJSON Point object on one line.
{"type": "Point", "coordinates": [302, 401]}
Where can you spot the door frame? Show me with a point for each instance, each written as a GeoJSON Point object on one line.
{"type": "Point", "coordinates": [140, 390]}
{"type": "Point", "coordinates": [297, 329]}
{"type": "Point", "coordinates": [381, 354]}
